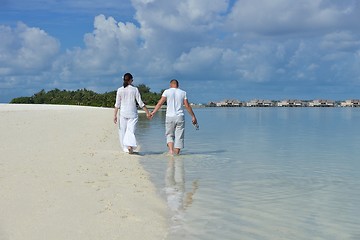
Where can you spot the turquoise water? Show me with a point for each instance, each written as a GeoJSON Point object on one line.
{"type": "Point", "coordinates": [260, 173]}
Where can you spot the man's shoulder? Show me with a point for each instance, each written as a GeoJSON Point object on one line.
{"type": "Point", "coordinates": [174, 90]}
{"type": "Point", "coordinates": [181, 90]}
{"type": "Point", "coordinates": [166, 91]}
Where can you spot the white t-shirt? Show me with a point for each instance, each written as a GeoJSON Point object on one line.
{"type": "Point", "coordinates": [126, 99]}
{"type": "Point", "coordinates": [175, 100]}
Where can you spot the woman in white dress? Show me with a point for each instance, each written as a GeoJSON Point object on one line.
{"type": "Point", "coordinates": [126, 98]}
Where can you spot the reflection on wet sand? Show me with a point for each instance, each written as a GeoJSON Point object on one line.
{"type": "Point", "coordinates": [177, 198]}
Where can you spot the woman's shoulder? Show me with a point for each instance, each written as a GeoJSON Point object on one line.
{"type": "Point", "coordinates": [133, 88]}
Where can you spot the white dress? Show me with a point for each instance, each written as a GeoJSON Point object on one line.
{"type": "Point", "coordinates": [126, 99]}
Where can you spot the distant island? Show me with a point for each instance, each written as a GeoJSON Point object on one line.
{"type": "Point", "coordinates": [84, 97]}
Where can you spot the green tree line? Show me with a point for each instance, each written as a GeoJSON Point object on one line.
{"type": "Point", "coordinates": [84, 97]}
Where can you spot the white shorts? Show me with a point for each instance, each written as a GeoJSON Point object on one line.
{"type": "Point", "coordinates": [175, 130]}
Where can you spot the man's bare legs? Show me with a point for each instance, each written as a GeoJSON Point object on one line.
{"type": "Point", "coordinates": [177, 151]}
{"type": "Point", "coordinates": [173, 150]}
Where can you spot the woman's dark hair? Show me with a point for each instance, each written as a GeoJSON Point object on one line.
{"type": "Point", "coordinates": [127, 78]}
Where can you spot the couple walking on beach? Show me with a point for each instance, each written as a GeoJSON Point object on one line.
{"type": "Point", "coordinates": [126, 98]}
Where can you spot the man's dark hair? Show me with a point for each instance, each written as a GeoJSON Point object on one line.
{"type": "Point", "coordinates": [175, 81]}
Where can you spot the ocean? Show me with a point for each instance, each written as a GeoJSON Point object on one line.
{"type": "Point", "coordinates": [259, 173]}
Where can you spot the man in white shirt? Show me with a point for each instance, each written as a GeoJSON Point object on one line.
{"type": "Point", "coordinates": [175, 121]}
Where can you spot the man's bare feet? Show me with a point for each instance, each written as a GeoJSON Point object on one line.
{"type": "Point", "coordinates": [177, 151]}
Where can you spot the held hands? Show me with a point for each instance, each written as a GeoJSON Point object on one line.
{"type": "Point", "coordinates": [148, 115]}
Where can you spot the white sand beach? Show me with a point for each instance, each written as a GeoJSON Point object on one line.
{"type": "Point", "coordinates": [63, 176]}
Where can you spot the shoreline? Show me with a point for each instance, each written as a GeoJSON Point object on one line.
{"type": "Point", "coordinates": [63, 176]}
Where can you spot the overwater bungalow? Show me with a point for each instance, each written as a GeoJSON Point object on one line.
{"type": "Point", "coordinates": [322, 103]}
{"type": "Point", "coordinates": [350, 103]}
{"type": "Point", "coordinates": [291, 103]}
{"type": "Point", "coordinates": [260, 103]}
{"type": "Point", "coordinates": [229, 103]}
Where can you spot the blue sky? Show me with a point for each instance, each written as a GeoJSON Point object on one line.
{"type": "Point", "coordinates": [218, 49]}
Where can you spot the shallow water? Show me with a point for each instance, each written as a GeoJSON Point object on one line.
{"type": "Point", "coordinates": [260, 173]}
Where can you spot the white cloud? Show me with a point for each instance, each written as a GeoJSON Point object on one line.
{"type": "Point", "coordinates": [244, 42]}
{"type": "Point", "coordinates": [200, 11]}
{"type": "Point", "coordinates": [187, 15]}
{"type": "Point", "coordinates": [283, 16]}
{"type": "Point", "coordinates": [26, 50]}
{"type": "Point", "coordinates": [111, 48]}
{"type": "Point", "coordinates": [199, 59]}
{"type": "Point", "coordinates": [295, 59]}
{"type": "Point", "coordinates": [249, 63]}
{"type": "Point", "coordinates": [340, 41]}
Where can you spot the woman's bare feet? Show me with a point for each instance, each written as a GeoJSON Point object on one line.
{"type": "Point", "coordinates": [131, 150]}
